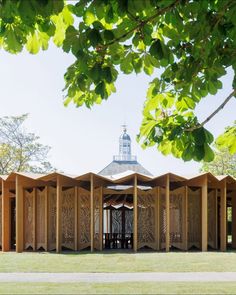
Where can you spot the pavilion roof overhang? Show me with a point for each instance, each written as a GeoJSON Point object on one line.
{"type": "Point", "coordinates": [125, 179]}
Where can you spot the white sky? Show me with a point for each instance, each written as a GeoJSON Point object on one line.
{"type": "Point", "coordinates": [85, 140]}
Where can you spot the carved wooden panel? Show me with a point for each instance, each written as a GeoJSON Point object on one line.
{"type": "Point", "coordinates": [84, 218]}
{"type": "Point", "coordinates": [41, 218]}
{"type": "Point", "coordinates": [28, 219]}
{"type": "Point", "coordinates": [162, 218]}
{"type": "Point", "coordinates": [52, 202]}
{"type": "Point", "coordinates": [68, 218]}
{"type": "Point", "coordinates": [212, 229]}
{"type": "Point", "coordinates": [176, 218]}
{"type": "Point", "coordinates": [194, 218]}
{"type": "Point", "coordinates": [97, 218]}
{"type": "Point", "coordinates": [146, 219]}
{"type": "Point", "coordinates": [0, 221]}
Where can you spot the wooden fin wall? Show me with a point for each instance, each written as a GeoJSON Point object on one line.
{"type": "Point", "coordinates": [147, 217]}
{"type": "Point", "coordinates": [212, 219]}
{"type": "Point", "coordinates": [41, 218]}
{"type": "Point", "coordinates": [0, 221]}
{"type": "Point", "coordinates": [68, 218]}
{"type": "Point", "coordinates": [52, 195]}
{"type": "Point", "coordinates": [83, 219]}
{"type": "Point", "coordinates": [177, 218]}
{"type": "Point", "coordinates": [162, 218]}
{"type": "Point", "coordinates": [98, 218]}
{"type": "Point", "coordinates": [28, 220]}
{"type": "Point", "coordinates": [194, 218]}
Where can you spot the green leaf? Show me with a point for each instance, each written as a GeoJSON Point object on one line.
{"type": "Point", "coordinates": [108, 35]}
{"type": "Point", "coordinates": [107, 75]}
{"type": "Point", "coordinates": [156, 50]}
{"type": "Point", "coordinates": [95, 72]}
{"type": "Point", "coordinates": [94, 37]}
{"type": "Point", "coordinates": [209, 154]}
{"type": "Point", "coordinates": [89, 17]}
{"type": "Point", "coordinates": [101, 89]}
{"type": "Point", "coordinates": [187, 154]}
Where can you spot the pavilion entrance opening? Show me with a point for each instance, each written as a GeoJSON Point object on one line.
{"type": "Point", "coordinates": [118, 221]}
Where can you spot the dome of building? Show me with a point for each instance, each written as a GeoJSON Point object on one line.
{"type": "Point", "coordinates": [125, 160]}
{"type": "Point", "coordinates": [125, 136]}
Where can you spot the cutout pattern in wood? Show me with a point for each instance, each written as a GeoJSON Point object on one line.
{"type": "Point", "coordinates": [41, 218]}
{"type": "Point", "coordinates": [194, 218]}
{"type": "Point", "coordinates": [68, 218]}
{"type": "Point", "coordinates": [84, 218]}
{"type": "Point", "coordinates": [28, 219]}
{"type": "Point", "coordinates": [146, 219]}
{"type": "Point", "coordinates": [52, 218]}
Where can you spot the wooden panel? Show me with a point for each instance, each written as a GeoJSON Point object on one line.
{"type": "Point", "coordinates": [5, 216]}
{"type": "Point", "coordinates": [223, 216]}
{"type": "Point", "coordinates": [204, 214]}
{"type": "Point", "coordinates": [98, 220]}
{"type": "Point", "coordinates": [83, 218]}
{"type": "Point", "coordinates": [68, 218]}
{"type": "Point", "coordinates": [212, 219]}
{"type": "Point", "coordinates": [28, 220]}
{"type": "Point", "coordinates": [0, 221]}
{"type": "Point", "coordinates": [19, 215]}
{"type": "Point", "coordinates": [167, 213]}
{"type": "Point", "coordinates": [162, 214]}
{"type": "Point", "coordinates": [135, 214]}
{"type": "Point", "coordinates": [40, 223]}
{"type": "Point", "coordinates": [52, 202]}
{"type": "Point", "coordinates": [76, 219]}
{"type": "Point", "coordinates": [91, 214]}
{"type": "Point", "coordinates": [177, 219]}
{"type": "Point", "coordinates": [157, 214]}
{"type": "Point", "coordinates": [194, 218]}
{"type": "Point", "coordinates": [59, 215]}
{"type": "Point", "coordinates": [147, 219]}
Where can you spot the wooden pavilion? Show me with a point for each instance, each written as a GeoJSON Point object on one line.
{"type": "Point", "coordinates": [129, 210]}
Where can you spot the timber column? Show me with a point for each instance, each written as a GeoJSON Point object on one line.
{"type": "Point", "coordinates": [5, 217]}
{"type": "Point", "coordinates": [167, 213]}
{"type": "Point", "coordinates": [223, 215]}
{"type": "Point", "coordinates": [204, 197]}
{"type": "Point", "coordinates": [58, 215]}
{"type": "Point", "coordinates": [19, 215]}
{"type": "Point", "coordinates": [91, 213]}
{"type": "Point", "coordinates": [135, 226]}
{"type": "Point", "coordinates": [185, 223]}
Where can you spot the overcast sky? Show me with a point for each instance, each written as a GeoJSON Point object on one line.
{"type": "Point", "coordinates": [85, 140]}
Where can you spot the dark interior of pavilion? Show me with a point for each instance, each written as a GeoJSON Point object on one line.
{"type": "Point", "coordinates": [118, 221]}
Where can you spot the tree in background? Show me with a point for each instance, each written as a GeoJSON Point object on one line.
{"type": "Point", "coordinates": [193, 43]}
{"type": "Point", "coordinates": [20, 150]}
{"type": "Point", "coordinates": [223, 164]}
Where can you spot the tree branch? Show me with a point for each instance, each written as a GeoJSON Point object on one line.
{"type": "Point", "coordinates": [220, 107]}
{"type": "Point", "coordinates": [142, 23]}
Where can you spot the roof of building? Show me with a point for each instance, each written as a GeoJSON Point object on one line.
{"type": "Point", "coordinates": [117, 167]}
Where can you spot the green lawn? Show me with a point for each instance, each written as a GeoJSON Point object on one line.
{"type": "Point", "coordinates": [118, 262]}
{"type": "Point", "coordinates": [124, 288]}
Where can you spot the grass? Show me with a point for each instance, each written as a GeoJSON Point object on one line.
{"type": "Point", "coordinates": [115, 288]}
{"type": "Point", "coordinates": [118, 262]}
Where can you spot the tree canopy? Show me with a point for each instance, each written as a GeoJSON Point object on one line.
{"type": "Point", "coordinates": [193, 43]}
{"type": "Point", "coordinates": [20, 150]}
{"type": "Point", "coordinates": [223, 164]}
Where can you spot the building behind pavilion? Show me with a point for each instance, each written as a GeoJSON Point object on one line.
{"type": "Point", "coordinates": [125, 161]}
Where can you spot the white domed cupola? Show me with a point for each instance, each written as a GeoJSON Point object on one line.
{"type": "Point", "coordinates": [125, 146]}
